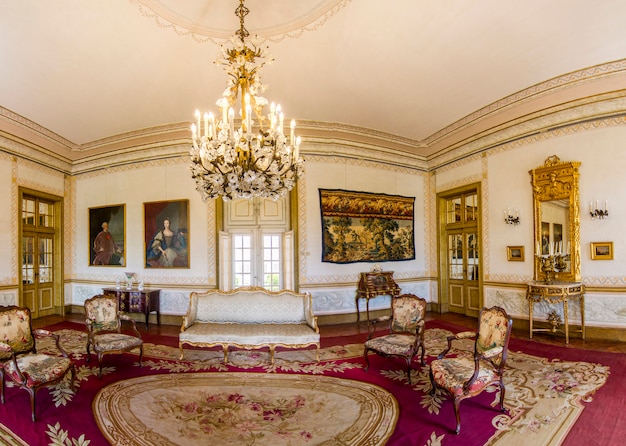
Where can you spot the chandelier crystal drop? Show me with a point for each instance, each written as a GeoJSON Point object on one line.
{"type": "Point", "coordinates": [238, 162]}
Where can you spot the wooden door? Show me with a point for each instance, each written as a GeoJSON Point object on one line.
{"type": "Point", "coordinates": [460, 260]}
{"type": "Point", "coordinates": [40, 267]}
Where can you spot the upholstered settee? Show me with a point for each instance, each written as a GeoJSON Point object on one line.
{"type": "Point", "coordinates": [250, 318]}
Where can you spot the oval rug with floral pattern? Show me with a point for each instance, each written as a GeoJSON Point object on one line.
{"type": "Point", "coordinates": [244, 409]}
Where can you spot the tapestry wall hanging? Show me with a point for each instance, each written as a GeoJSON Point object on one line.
{"type": "Point", "coordinates": [366, 227]}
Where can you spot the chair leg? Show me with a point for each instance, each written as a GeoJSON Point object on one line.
{"type": "Point", "coordinates": [31, 392]}
{"type": "Point", "coordinates": [502, 391]}
{"type": "Point", "coordinates": [141, 356]}
{"type": "Point", "coordinates": [100, 364]}
{"type": "Point", "coordinates": [367, 359]}
{"type": "Point", "coordinates": [458, 415]}
{"type": "Point", "coordinates": [408, 369]}
{"type": "Point", "coordinates": [433, 386]}
{"type": "Point", "coordinates": [423, 353]}
{"type": "Point", "coordinates": [2, 384]}
{"type": "Point", "coordinates": [72, 378]}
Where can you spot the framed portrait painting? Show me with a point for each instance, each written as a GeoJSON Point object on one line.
{"type": "Point", "coordinates": [166, 234]}
{"type": "Point", "coordinates": [107, 235]}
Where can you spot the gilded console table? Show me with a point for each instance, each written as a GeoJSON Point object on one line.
{"type": "Point", "coordinates": [372, 285]}
{"type": "Point", "coordinates": [554, 293]}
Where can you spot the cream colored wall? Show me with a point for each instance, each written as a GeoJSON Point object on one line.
{"type": "Point", "coordinates": [8, 267]}
{"type": "Point", "coordinates": [502, 170]}
{"type": "Point", "coordinates": [133, 186]}
{"type": "Point", "coordinates": [333, 286]}
{"type": "Point", "coordinates": [506, 183]}
{"type": "Point", "coordinates": [14, 173]}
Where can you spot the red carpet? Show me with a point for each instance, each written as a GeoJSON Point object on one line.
{"type": "Point", "coordinates": [74, 422]}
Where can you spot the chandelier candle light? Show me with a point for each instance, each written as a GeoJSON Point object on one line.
{"type": "Point", "coordinates": [237, 162]}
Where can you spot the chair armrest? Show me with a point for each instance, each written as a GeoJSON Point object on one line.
{"type": "Point", "coordinates": [455, 337]}
{"type": "Point", "coordinates": [373, 325]}
{"type": "Point", "coordinates": [464, 335]}
{"type": "Point", "coordinates": [41, 333]}
{"type": "Point", "coordinates": [125, 317]}
{"type": "Point", "coordinates": [187, 322]}
{"type": "Point", "coordinates": [492, 352]}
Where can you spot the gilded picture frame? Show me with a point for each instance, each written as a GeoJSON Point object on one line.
{"type": "Point", "coordinates": [515, 253]}
{"type": "Point", "coordinates": [601, 250]}
{"type": "Point", "coordinates": [166, 234]}
{"type": "Point", "coordinates": [107, 235]}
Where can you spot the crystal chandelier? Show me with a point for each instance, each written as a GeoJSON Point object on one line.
{"type": "Point", "coordinates": [237, 162]}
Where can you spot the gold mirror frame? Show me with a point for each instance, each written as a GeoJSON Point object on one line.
{"type": "Point", "coordinates": [558, 181]}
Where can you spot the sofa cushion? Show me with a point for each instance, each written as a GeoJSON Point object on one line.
{"type": "Point", "coordinates": [250, 334]}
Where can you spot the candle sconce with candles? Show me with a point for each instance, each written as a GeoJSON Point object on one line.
{"type": "Point", "coordinates": [511, 219]}
{"type": "Point", "coordinates": [598, 213]}
{"type": "Point", "coordinates": [553, 263]}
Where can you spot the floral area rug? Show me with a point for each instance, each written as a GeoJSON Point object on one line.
{"type": "Point", "coordinates": [544, 397]}
{"type": "Point", "coordinates": [244, 409]}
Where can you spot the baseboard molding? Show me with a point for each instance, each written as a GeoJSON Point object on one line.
{"type": "Point", "coordinates": [166, 319]}
{"type": "Point", "coordinates": [520, 325]}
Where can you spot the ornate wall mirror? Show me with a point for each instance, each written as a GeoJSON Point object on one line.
{"type": "Point", "coordinates": [557, 220]}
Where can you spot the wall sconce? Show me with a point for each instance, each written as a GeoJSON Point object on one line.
{"type": "Point", "coordinates": [511, 219]}
{"type": "Point", "coordinates": [598, 213]}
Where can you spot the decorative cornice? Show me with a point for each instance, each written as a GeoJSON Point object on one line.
{"type": "Point", "coordinates": [541, 89]}
{"type": "Point", "coordinates": [572, 115]}
{"type": "Point", "coordinates": [360, 151]}
{"type": "Point", "coordinates": [166, 17]}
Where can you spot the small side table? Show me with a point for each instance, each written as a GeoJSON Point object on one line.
{"type": "Point", "coordinates": [372, 285]}
{"type": "Point", "coordinates": [554, 293]}
{"type": "Point", "coordinates": [137, 301]}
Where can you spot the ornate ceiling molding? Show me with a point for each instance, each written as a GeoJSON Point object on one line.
{"type": "Point", "coordinates": [200, 23]}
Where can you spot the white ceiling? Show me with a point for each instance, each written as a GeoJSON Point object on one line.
{"type": "Point", "coordinates": [90, 69]}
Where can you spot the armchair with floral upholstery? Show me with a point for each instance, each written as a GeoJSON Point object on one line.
{"type": "Point", "coordinates": [465, 376]}
{"type": "Point", "coordinates": [406, 332]}
{"type": "Point", "coordinates": [104, 329]}
{"type": "Point", "coordinates": [19, 359]}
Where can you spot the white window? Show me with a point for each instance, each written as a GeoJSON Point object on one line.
{"type": "Point", "coordinates": [255, 244]}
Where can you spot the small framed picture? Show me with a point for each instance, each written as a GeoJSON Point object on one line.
{"type": "Point", "coordinates": [601, 250]}
{"type": "Point", "coordinates": [515, 253]}
{"type": "Point", "coordinates": [107, 235]}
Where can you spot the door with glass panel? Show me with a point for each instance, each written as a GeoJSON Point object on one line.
{"type": "Point", "coordinates": [37, 257]}
{"type": "Point", "coordinates": [462, 264]}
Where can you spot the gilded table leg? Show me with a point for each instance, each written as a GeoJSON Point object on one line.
{"type": "Point", "coordinates": [530, 315]}
{"type": "Point", "coordinates": [566, 318]}
{"type": "Point", "coordinates": [582, 315]}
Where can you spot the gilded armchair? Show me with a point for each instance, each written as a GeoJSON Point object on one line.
{"type": "Point", "coordinates": [466, 376]}
{"type": "Point", "coordinates": [104, 329]}
{"type": "Point", "coordinates": [406, 332]}
{"type": "Point", "coordinates": [20, 361]}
